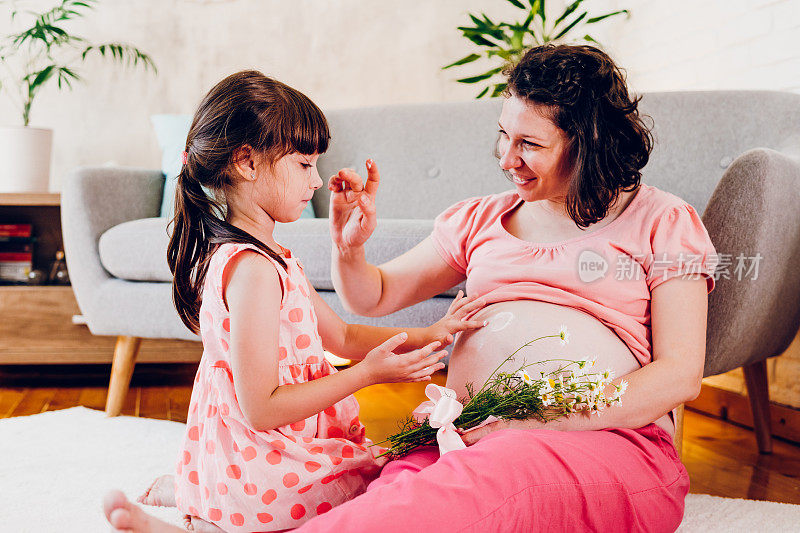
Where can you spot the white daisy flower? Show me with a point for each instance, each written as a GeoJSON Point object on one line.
{"type": "Point", "coordinates": [523, 375]}
{"type": "Point", "coordinates": [621, 388]}
{"type": "Point", "coordinates": [563, 335]}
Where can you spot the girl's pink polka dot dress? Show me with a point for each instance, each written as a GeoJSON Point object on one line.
{"type": "Point", "coordinates": [246, 480]}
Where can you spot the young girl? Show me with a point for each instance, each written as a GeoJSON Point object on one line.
{"type": "Point", "coordinates": [273, 436]}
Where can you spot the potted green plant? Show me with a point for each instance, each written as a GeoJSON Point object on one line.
{"type": "Point", "coordinates": [43, 52]}
{"type": "Point", "coordinates": [504, 43]}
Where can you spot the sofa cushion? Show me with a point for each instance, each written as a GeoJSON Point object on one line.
{"type": "Point", "coordinates": [310, 241]}
{"type": "Point", "coordinates": [137, 250]}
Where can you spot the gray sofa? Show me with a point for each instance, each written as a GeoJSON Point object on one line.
{"type": "Point", "coordinates": [431, 156]}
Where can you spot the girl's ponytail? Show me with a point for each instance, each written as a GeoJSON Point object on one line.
{"type": "Point", "coordinates": [198, 231]}
{"type": "Point", "coordinates": [187, 247]}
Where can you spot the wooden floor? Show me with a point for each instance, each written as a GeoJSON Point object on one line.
{"type": "Point", "coordinates": [722, 458]}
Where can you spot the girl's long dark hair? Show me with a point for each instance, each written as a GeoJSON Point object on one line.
{"type": "Point", "coordinates": [246, 108]}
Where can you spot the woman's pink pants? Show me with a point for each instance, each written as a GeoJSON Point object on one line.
{"type": "Point", "coordinates": [514, 480]}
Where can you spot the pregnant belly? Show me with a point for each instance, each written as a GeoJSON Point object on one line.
{"type": "Point", "coordinates": [511, 324]}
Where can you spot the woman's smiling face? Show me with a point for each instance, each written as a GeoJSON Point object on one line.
{"type": "Point", "coordinates": [533, 150]}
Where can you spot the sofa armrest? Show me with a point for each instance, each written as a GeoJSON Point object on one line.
{"type": "Point", "coordinates": [754, 211]}
{"type": "Point", "coordinates": [93, 200]}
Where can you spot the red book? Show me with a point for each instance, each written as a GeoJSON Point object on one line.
{"type": "Point", "coordinates": [16, 257]}
{"type": "Point", "coordinates": [15, 230]}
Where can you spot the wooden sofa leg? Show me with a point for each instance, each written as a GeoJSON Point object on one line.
{"type": "Point", "coordinates": [678, 440]}
{"type": "Point", "coordinates": [755, 376]}
{"type": "Point", "coordinates": [125, 353]}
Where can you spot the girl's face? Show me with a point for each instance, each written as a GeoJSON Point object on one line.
{"type": "Point", "coordinates": [533, 150]}
{"type": "Point", "coordinates": [289, 185]}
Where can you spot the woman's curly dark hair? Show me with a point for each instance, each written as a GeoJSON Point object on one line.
{"type": "Point", "coordinates": [587, 98]}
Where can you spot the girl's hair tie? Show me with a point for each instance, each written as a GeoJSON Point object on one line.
{"type": "Point", "coordinates": [184, 155]}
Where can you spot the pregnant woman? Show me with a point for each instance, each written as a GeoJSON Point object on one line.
{"type": "Point", "coordinates": [578, 241]}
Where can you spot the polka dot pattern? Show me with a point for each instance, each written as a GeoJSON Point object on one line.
{"type": "Point", "coordinates": [269, 496]}
{"type": "Point", "coordinates": [249, 453]}
{"type": "Point", "coordinates": [274, 457]}
{"type": "Point", "coordinates": [298, 511]}
{"type": "Point", "coordinates": [244, 479]}
{"type": "Point", "coordinates": [233, 472]}
{"type": "Point", "coordinates": [290, 480]}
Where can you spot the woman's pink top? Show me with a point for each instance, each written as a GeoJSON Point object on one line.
{"type": "Point", "coordinates": [608, 273]}
{"type": "Point", "coordinates": [242, 479]}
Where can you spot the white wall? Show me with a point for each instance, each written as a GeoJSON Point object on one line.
{"type": "Point", "coordinates": [347, 53]}
{"type": "Point", "coordinates": [705, 44]}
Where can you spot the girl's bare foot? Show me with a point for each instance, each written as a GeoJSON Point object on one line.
{"type": "Point", "coordinates": [161, 492]}
{"type": "Point", "coordinates": [126, 517]}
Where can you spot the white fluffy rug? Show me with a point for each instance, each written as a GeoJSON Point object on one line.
{"type": "Point", "coordinates": [56, 466]}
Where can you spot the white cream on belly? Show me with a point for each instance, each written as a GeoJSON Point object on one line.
{"type": "Point", "coordinates": [499, 321]}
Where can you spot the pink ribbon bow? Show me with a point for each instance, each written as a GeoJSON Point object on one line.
{"type": "Point", "coordinates": [440, 412]}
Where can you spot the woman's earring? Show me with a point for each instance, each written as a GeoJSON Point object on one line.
{"type": "Point", "coordinates": [253, 175]}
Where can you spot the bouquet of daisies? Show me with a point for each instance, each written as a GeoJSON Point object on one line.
{"type": "Point", "coordinates": [575, 386]}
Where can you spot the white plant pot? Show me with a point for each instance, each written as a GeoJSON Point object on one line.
{"type": "Point", "coordinates": [25, 159]}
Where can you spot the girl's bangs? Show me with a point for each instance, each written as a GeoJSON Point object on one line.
{"type": "Point", "coordinates": [308, 129]}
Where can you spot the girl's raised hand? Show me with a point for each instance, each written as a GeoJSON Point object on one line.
{"type": "Point", "coordinates": [385, 366]}
{"type": "Point", "coordinates": [455, 320]}
{"type": "Point", "coordinates": [352, 208]}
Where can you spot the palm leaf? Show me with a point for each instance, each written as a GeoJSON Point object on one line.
{"type": "Point", "coordinates": [122, 53]}
{"type": "Point", "coordinates": [601, 17]}
{"type": "Point", "coordinates": [480, 77]}
{"type": "Point", "coordinates": [567, 12]}
{"type": "Point", "coordinates": [571, 25]}
{"type": "Point", "coordinates": [36, 79]}
{"type": "Point", "coordinates": [537, 6]}
{"type": "Point", "coordinates": [498, 89]}
{"type": "Point", "coordinates": [463, 61]}
{"type": "Point", "coordinates": [66, 75]}
{"type": "Point", "coordinates": [476, 37]}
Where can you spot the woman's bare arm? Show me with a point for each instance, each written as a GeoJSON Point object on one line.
{"type": "Point", "coordinates": [413, 277]}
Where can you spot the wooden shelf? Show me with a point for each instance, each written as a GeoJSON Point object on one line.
{"type": "Point", "coordinates": [30, 198]}
{"type": "Point", "coordinates": [38, 329]}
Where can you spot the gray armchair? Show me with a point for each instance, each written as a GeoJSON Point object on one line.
{"type": "Point", "coordinates": [117, 255]}
{"type": "Point", "coordinates": [755, 211]}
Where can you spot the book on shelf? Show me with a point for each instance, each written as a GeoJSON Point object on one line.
{"type": "Point", "coordinates": [16, 230]}
{"type": "Point", "coordinates": [15, 266]}
{"type": "Point", "coordinates": [16, 253]}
